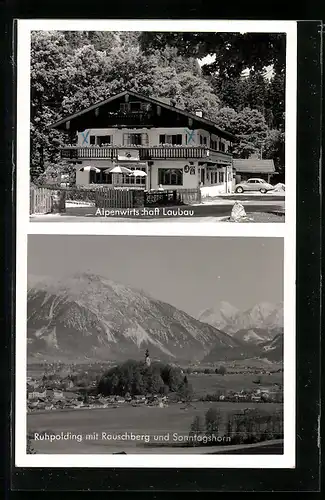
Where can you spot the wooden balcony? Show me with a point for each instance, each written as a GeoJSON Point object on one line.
{"type": "Point", "coordinates": [76, 153]}
{"type": "Point", "coordinates": [126, 119]}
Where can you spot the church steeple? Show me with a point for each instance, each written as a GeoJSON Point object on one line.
{"type": "Point", "coordinates": [147, 358]}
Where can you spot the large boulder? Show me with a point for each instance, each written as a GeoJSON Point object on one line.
{"type": "Point", "coordinates": [238, 212]}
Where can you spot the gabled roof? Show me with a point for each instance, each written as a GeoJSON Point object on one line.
{"type": "Point", "coordinates": [157, 102]}
{"type": "Point", "coordinates": [252, 165]}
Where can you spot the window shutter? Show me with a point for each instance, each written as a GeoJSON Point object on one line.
{"type": "Point", "coordinates": [126, 139]}
{"type": "Point", "coordinates": [144, 139]}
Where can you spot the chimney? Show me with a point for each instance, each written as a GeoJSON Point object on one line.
{"type": "Point", "coordinates": [199, 113]}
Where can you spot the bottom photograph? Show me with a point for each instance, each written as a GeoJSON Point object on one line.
{"type": "Point", "coordinates": [154, 345]}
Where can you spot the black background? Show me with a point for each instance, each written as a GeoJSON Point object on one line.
{"type": "Point", "coordinates": [305, 477]}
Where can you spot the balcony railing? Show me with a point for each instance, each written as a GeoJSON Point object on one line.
{"type": "Point", "coordinates": [121, 118]}
{"type": "Point", "coordinates": [75, 153]}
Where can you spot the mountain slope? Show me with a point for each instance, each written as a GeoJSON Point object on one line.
{"type": "Point", "coordinates": [87, 316]}
{"type": "Point", "coordinates": [219, 317]}
{"type": "Point", "coordinates": [259, 323]}
{"type": "Point", "coordinates": [273, 350]}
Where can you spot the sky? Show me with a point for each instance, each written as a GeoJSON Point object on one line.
{"type": "Point", "coordinates": [191, 273]}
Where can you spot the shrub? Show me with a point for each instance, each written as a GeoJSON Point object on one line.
{"type": "Point", "coordinates": [29, 449]}
{"type": "Point", "coordinates": [222, 370]}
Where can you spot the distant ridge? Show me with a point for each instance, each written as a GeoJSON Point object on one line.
{"type": "Point", "coordinates": [88, 316]}
{"type": "Point", "coordinates": [257, 324]}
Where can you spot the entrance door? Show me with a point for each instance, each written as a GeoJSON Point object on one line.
{"type": "Point", "coordinates": [203, 176]}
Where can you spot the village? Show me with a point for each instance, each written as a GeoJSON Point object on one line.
{"type": "Point", "coordinates": [64, 395]}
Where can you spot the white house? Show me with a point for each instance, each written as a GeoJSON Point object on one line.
{"type": "Point", "coordinates": [37, 394]}
{"type": "Point", "coordinates": [176, 149]}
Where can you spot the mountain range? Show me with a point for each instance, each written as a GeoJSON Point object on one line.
{"type": "Point", "coordinates": [260, 323]}
{"type": "Point", "coordinates": [89, 316]}
{"type": "Point", "coordinates": [86, 316]}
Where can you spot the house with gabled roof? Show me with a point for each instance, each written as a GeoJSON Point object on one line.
{"type": "Point", "coordinates": [253, 167]}
{"type": "Point", "coordinates": [174, 148]}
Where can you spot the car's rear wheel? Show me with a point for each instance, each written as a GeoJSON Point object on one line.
{"type": "Point", "coordinates": [263, 191]}
{"type": "Point", "coordinates": [239, 190]}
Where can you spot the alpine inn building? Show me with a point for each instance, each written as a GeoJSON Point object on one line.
{"type": "Point", "coordinates": [176, 149]}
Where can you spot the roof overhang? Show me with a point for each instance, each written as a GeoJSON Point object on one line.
{"type": "Point", "coordinates": [157, 102]}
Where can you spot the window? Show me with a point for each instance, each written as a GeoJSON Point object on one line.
{"type": "Point", "coordinates": [134, 107]}
{"type": "Point", "coordinates": [203, 140]}
{"type": "Point", "coordinates": [221, 177]}
{"type": "Point", "coordinates": [214, 144]}
{"type": "Point", "coordinates": [99, 140]}
{"type": "Point", "coordinates": [222, 146]}
{"type": "Point", "coordinates": [170, 139]}
{"type": "Point", "coordinates": [170, 176]}
{"type": "Point", "coordinates": [135, 140]}
{"type": "Point", "coordinates": [133, 180]}
{"type": "Point", "coordinates": [103, 139]}
{"type": "Point", "coordinates": [100, 177]}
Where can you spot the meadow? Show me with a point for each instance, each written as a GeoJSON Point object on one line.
{"type": "Point", "coordinates": [211, 383]}
{"type": "Point", "coordinates": [142, 421]}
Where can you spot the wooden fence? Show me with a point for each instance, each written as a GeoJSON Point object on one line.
{"type": "Point", "coordinates": [41, 201]}
{"type": "Point", "coordinates": [114, 198]}
{"type": "Point", "coordinates": [189, 196]}
{"type": "Point", "coordinates": [172, 197]}
{"type": "Point", "coordinates": [46, 199]}
{"type": "Point", "coordinates": [99, 196]}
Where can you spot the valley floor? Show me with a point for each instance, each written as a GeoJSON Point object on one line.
{"type": "Point", "coordinates": [171, 423]}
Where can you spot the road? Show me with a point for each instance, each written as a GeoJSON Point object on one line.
{"type": "Point", "coordinates": [195, 213]}
{"type": "Point", "coordinates": [275, 448]}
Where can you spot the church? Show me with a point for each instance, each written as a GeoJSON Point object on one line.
{"type": "Point", "coordinates": [170, 147]}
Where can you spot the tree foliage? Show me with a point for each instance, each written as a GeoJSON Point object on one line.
{"type": "Point", "coordinates": [29, 448]}
{"type": "Point", "coordinates": [248, 126]}
{"type": "Point", "coordinates": [261, 54]}
{"type": "Point", "coordinates": [221, 370]}
{"type": "Point", "coordinates": [73, 70]}
{"type": "Point", "coordinates": [255, 90]}
{"type": "Point", "coordinates": [274, 148]}
{"type": "Point", "coordinates": [233, 52]}
{"type": "Point", "coordinates": [185, 390]}
{"type": "Point", "coordinates": [136, 377]}
{"type": "Point", "coordinates": [212, 421]}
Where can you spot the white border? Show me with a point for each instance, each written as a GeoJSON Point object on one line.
{"type": "Point", "coordinates": [25, 227]}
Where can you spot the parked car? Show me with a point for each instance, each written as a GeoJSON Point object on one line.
{"type": "Point", "coordinates": [254, 185]}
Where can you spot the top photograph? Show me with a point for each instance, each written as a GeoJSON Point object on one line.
{"type": "Point", "coordinates": [168, 126]}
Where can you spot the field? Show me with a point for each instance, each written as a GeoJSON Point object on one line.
{"type": "Point", "coordinates": [170, 423]}
{"type": "Point", "coordinates": [209, 384]}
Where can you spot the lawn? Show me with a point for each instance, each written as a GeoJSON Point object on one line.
{"type": "Point", "coordinates": [260, 217]}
